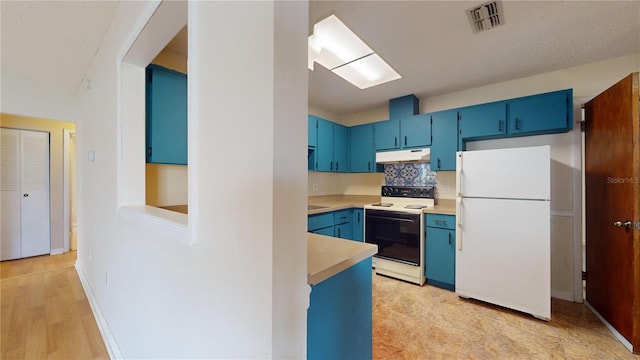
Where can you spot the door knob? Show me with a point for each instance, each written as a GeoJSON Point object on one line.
{"type": "Point", "coordinates": [25, 195]}
{"type": "Point", "coordinates": [619, 223]}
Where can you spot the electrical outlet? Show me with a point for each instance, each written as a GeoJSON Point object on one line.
{"type": "Point", "coordinates": [445, 189]}
{"type": "Point", "coordinates": [315, 187]}
{"type": "Point", "coordinates": [107, 280]}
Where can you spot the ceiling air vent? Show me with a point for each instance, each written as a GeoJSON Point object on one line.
{"type": "Point", "coordinates": [486, 16]}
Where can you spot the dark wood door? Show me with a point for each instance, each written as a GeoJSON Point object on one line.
{"type": "Point", "coordinates": [612, 207]}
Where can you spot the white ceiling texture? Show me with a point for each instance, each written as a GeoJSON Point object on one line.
{"type": "Point", "coordinates": [430, 43]}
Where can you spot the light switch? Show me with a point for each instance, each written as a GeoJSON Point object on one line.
{"type": "Point", "coordinates": [91, 156]}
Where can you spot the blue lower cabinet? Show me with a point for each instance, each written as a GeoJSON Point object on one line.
{"type": "Point", "coordinates": [339, 320]}
{"type": "Point", "coordinates": [345, 224]}
{"type": "Point", "coordinates": [328, 231]}
{"type": "Point", "coordinates": [440, 251]}
{"type": "Point", "coordinates": [358, 224]}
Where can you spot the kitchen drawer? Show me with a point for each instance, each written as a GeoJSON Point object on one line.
{"type": "Point", "coordinates": [440, 221]}
{"type": "Point", "coordinates": [342, 217]}
{"type": "Point", "coordinates": [315, 222]}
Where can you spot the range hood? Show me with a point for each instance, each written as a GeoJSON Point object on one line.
{"type": "Point", "coordinates": [413, 155]}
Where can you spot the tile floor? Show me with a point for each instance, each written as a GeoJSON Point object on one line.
{"type": "Point", "coordinates": [413, 322]}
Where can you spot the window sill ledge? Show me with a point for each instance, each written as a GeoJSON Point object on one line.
{"type": "Point", "coordinates": [169, 223]}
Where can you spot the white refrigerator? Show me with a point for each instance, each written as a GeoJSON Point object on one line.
{"type": "Point", "coordinates": [503, 217]}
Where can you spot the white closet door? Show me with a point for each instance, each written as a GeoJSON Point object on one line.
{"type": "Point", "coordinates": [10, 244]}
{"type": "Point", "coordinates": [34, 206]}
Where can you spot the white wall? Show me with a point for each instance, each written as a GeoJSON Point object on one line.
{"type": "Point", "coordinates": [240, 291]}
{"type": "Point", "coordinates": [21, 95]}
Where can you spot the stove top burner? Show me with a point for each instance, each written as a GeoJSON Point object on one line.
{"type": "Point", "coordinates": [383, 204]}
{"type": "Point", "coordinates": [411, 206]}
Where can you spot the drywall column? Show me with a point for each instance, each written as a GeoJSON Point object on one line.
{"type": "Point", "coordinates": [248, 78]}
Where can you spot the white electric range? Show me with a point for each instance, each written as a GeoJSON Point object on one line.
{"type": "Point", "coordinates": [396, 225]}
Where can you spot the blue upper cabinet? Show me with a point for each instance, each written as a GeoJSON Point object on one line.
{"type": "Point", "coordinates": [340, 148]}
{"type": "Point", "coordinates": [324, 148]}
{"type": "Point", "coordinates": [332, 148]}
{"type": "Point", "coordinates": [312, 131]}
{"type": "Point", "coordinates": [405, 128]}
{"type": "Point", "coordinates": [539, 114]}
{"type": "Point", "coordinates": [404, 106]}
{"type": "Point", "coordinates": [361, 150]}
{"type": "Point", "coordinates": [444, 130]}
{"type": "Point", "coordinates": [483, 121]}
{"type": "Point", "coordinates": [415, 131]}
{"type": "Point", "coordinates": [166, 116]}
{"type": "Point", "coordinates": [387, 134]}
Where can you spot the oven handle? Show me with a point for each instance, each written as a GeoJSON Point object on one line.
{"type": "Point", "coordinates": [390, 218]}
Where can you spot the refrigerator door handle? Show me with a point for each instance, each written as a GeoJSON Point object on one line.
{"type": "Point", "coordinates": [459, 223]}
{"type": "Point", "coordinates": [459, 174]}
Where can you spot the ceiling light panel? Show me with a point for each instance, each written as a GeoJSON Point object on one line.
{"type": "Point", "coordinates": [334, 46]}
{"type": "Point", "coordinates": [367, 72]}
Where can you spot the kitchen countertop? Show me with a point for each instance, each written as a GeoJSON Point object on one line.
{"type": "Point", "coordinates": [328, 256]}
{"type": "Point", "coordinates": [340, 202]}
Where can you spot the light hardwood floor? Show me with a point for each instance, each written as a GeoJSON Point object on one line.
{"type": "Point", "coordinates": [44, 311]}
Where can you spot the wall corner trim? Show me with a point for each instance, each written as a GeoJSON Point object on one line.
{"type": "Point", "coordinates": [105, 331]}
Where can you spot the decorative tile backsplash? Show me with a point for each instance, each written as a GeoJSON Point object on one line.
{"type": "Point", "coordinates": [409, 174]}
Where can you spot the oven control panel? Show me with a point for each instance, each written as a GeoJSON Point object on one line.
{"type": "Point", "coordinates": [427, 192]}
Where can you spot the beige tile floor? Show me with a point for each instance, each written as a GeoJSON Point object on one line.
{"type": "Point", "coordinates": [413, 322]}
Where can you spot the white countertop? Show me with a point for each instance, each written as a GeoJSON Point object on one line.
{"type": "Point", "coordinates": [327, 256]}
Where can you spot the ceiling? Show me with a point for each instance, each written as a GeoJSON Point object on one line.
{"type": "Point", "coordinates": [53, 42]}
{"type": "Point", "coordinates": [430, 43]}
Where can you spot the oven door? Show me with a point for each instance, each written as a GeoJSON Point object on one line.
{"type": "Point", "coordinates": [396, 233]}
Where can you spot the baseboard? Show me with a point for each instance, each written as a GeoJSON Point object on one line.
{"type": "Point", "coordinates": [562, 295]}
{"type": "Point", "coordinates": [56, 251]}
{"type": "Point", "coordinates": [613, 330]}
{"type": "Point", "coordinates": [105, 331]}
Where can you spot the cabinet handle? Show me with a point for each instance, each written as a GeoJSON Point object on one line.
{"type": "Point", "coordinates": [499, 125]}
{"type": "Point", "coordinates": [149, 151]}
{"type": "Point", "coordinates": [449, 238]}
{"type": "Point", "coordinates": [331, 165]}
{"type": "Point", "coordinates": [395, 141]}
{"type": "Point", "coordinates": [369, 166]}
{"type": "Point", "coordinates": [405, 141]}
{"type": "Point", "coordinates": [337, 166]}
{"type": "Point", "coordinates": [517, 124]}
{"type": "Point", "coordinates": [358, 217]}
{"type": "Point", "coordinates": [338, 232]}
{"type": "Point", "coordinates": [438, 163]}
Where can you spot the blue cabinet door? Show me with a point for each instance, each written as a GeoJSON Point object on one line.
{"type": "Point", "coordinates": [343, 231]}
{"type": "Point", "coordinates": [483, 121]}
{"type": "Point", "coordinates": [328, 231]}
{"type": "Point", "coordinates": [340, 148]}
{"type": "Point", "coordinates": [362, 152]}
{"type": "Point", "coordinates": [358, 224]}
{"type": "Point", "coordinates": [415, 131]}
{"type": "Point", "coordinates": [386, 134]}
{"type": "Point", "coordinates": [440, 259]}
{"type": "Point", "coordinates": [339, 320]}
{"type": "Point", "coordinates": [166, 116]}
{"type": "Point", "coordinates": [324, 148]}
{"type": "Point", "coordinates": [540, 114]}
{"type": "Point", "coordinates": [312, 131]}
{"type": "Point", "coordinates": [444, 128]}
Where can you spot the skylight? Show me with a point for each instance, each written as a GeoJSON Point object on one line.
{"type": "Point", "coordinates": [334, 46]}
